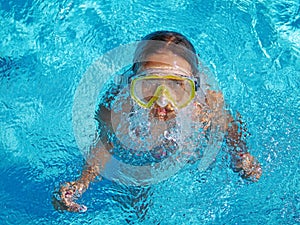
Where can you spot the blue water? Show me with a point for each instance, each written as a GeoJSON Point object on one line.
{"type": "Point", "coordinates": [253, 50]}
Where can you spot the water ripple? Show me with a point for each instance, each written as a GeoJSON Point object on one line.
{"type": "Point", "coordinates": [251, 47]}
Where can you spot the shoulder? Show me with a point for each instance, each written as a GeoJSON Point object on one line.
{"type": "Point", "coordinates": [218, 114]}
{"type": "Point", "coordinates": [214, 99]}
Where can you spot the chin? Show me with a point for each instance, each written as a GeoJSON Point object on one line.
{"type": "Point", "coordinates": [162, 113]}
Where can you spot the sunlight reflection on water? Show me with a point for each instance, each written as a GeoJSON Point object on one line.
{"type": "Point", "coordinates": [252, 48]}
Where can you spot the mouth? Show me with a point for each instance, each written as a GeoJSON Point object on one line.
{"type": "Point", "coordinates": [163, 113]}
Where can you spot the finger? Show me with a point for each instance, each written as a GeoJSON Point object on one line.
{"type": "Point", "coordinates": [56, 202]}
{"type": "Point", "coordinates": [67, 205]}
{"type": "Point", "coordinates": [257, 172]}
{"type": "Point", "coordinates": [74, 207]}
{"type": "Point", "coordinates": [62, 204]}
{"type": "Point", "coordinates": [70, 204]}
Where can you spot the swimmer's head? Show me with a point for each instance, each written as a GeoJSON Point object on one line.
{"type": "Point", "coordinates": [171, 53]}
{"type": "Point", "coordinates": [166, 49]}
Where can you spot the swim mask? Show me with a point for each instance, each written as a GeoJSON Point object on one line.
{"type": "Point", "coordinates": [151, 86]}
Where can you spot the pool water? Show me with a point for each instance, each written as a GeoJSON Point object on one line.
{"type": "Point", "coordinates": [251, 47]}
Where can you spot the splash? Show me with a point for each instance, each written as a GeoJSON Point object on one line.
{"type": "Point", "coordinates": [140, 138]}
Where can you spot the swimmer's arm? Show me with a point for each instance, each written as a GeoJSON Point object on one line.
{"type": "Point", "coordinates": [242, 160]}
{"type": "Point", "coordinates": [224, 120]}
{"type": "Point", "coordinates": [96, 162]}
{"type": "Point", "coordinates": [99, 154]}
{"type": "Point", "coordinates": [70, 191]}
{"type": "Point", "coordinates": [235, 130]}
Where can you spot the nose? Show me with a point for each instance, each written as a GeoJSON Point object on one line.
{"type": "Point", "coordinates": [162, 101]}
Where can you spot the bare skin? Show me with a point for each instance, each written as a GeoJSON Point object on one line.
{"type": "Point", "coordinates": [210, 113]}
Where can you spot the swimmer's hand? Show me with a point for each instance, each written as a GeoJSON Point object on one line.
{"type": "Point", "coordinates": [64, 199]}
{"type": "Point", "coordinates": [247, 166]}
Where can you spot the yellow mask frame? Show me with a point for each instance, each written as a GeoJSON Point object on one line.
{"type": "Point", "coordinates": [162, 90]}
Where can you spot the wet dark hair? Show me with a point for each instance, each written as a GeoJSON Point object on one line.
{"type": "Point", "coordinates": [165, 40]}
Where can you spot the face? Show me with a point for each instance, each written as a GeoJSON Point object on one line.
{"type": "Point", "coordinates": [162, 109]}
